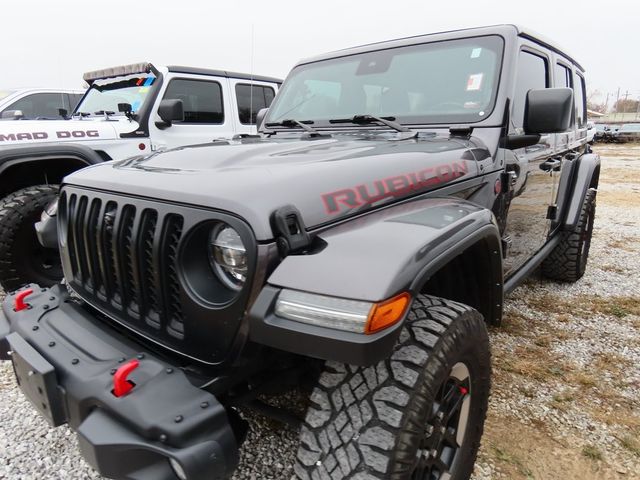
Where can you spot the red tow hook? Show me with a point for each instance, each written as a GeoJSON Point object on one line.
{"type": "Point", "coordinates": [19, 303]}
{"type": "Point", "coordinates": [122, 385]}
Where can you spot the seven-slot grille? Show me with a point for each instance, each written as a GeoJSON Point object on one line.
{"type": "Point", "coordinates": [124, 255]}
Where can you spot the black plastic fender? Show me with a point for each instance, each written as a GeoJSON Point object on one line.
{"type": "Point", "coordinates": [10, 157]}
{"type": "Point", "coordinates": [396, 249]}
{"type": "Point", "coordinates": [573, 188]}
{"type": "Point", "coordinates": [373, 258]}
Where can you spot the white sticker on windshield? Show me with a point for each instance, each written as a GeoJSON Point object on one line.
{"type": "Point", "coordinates": [474, 82]}
{"type": "Point", "coordinates": [475, 53]}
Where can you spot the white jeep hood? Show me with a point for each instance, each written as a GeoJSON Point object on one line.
{"type": "Point", "coordinates": [22, 132]}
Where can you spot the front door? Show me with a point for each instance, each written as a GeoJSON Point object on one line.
{"type": "Point", "coordinates": [531, 170]}
{"type": "Point", "coordinates": [208, 113]}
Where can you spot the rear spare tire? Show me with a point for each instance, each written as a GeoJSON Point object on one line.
{"type": "Point", "coordinates": [416, 415]}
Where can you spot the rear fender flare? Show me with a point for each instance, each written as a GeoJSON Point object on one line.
{"type": "Point", "coordinates": [585, 174]}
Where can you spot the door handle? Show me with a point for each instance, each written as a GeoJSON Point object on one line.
{"type": "Point", "coordinates": [551, 164]}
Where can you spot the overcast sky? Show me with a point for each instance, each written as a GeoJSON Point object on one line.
{"type": "Point", "coordinates": [50, 43]}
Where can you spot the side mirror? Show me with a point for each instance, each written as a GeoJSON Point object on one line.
{"type": "Point", "coordinates": [548, 110]}
{"type": "Point", "coordinates": [12, 115]}
{"type": "Point", "coordinates": [171, 111]}
{"type": "Point", "coordinates": [62, 112]}
{"type": "Point", "coordinates": [262, 113]}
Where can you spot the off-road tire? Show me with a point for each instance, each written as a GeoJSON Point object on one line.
{"type": "Point", "coordinates": [368, 422]}
{"type": "Point", "coordinates": [22, 259]}
{"type": "Point", "coordinates": [567, 262]}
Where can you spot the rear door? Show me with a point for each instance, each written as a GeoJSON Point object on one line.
{"type": "Point", "coordinates": [250, 98]}
{"type": "Point", "coordinates": [530, 169]}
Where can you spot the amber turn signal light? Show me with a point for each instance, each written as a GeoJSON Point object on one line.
{"type": "Point", "coordinates": [387, 313]}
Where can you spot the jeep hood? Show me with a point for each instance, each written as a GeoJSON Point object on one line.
{"type": "Point", "coordinates": [326, 179]}
{"type": "Point", "coordinates": [22, 132]}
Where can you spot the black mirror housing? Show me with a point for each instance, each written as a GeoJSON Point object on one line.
{"type": "Point", "coordinates": [171, 110]}
{"type": "Point", "coordinates": [260, 116]}
{"type": "Point", "coordinates": [548, 110]}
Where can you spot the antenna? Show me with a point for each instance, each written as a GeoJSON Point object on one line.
{"type": "Point", "coordinates": [251, 75]}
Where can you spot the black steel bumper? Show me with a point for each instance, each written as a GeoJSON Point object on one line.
{"type": "Point", "coordinates": [65, 362]}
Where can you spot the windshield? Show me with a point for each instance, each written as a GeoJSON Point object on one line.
{"type": "Point", "coordinates": [105, 95]}
{"type": "Point", "coordinates": [5, 93]}
{"type": "Point", "coordinates": [453, 81]}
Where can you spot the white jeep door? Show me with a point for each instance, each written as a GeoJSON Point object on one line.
{"type": "Point", "coordinates": [208, 112]}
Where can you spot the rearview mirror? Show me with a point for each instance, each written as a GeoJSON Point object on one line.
{"type": "Point", "coordinates": [262, 113]}
{"type": "Point", "coordinates": [548, 110]}
{"type": "Point", "coordinates": [171, 110]}
{"type": "Point", "coordinates": [12, 115]}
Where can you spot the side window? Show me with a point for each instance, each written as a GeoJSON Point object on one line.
{"type": "Point", "coordinates": [563, 76]}
{"type": "Point", "coordinates": [40, 105]}
{"type": "Point", "coordinates": [533, 73]}
{"type": "Point", "coordinates": [202, 100]}
{"type": "Point", "coordinates": [251, 99]}
{"type": "Point", "coordinates": [580, 98]}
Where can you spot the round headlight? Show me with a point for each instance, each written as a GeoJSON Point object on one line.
{"type": "Point", "coordinates": [228, 256]}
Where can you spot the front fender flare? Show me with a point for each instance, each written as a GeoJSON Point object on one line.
{"type": "Point", "coordinates": [376, 256]}
{"type": "Point", "coordinates": [10, 157]}
{"type": "Point", "coordinates": [373, 258]}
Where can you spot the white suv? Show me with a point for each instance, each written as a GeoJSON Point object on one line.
{"type": "Point", "coordinates": [37, 103]}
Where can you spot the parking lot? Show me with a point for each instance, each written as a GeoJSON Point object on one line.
{"type": "Point", "coordinates": [565, 380]}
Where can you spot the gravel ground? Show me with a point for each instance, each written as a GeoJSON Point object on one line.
{"type": "Point", "coordinates": [566, 373]}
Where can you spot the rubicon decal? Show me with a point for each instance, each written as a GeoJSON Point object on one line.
{"type": "Point", "coordinates": [61, 134]}
{"type": "Point", "coordinates": [396, 186]}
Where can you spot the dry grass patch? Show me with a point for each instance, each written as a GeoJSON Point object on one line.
{"type": "Point", "coordinates": [585, 305]}
{"type": "Point", "coordinates": [592, 453]}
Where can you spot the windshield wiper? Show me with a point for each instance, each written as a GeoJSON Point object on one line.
{"type": "Point", "coordinates": [292, 123]}
{"type": "Point", "coordinates": [369, 119]}
{"type": "Point", "coordinates": [104, 112]}
{"type": "Point", "coordinates": [81, 114]}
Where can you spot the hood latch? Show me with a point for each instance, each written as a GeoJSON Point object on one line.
{"type": "Point", "coordinates": [289, 229]}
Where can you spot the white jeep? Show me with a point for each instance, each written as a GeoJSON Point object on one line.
{"type": "Point", "coordinates": [127, 110]}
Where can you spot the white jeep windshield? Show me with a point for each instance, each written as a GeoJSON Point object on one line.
{"type": "Point", "coordinates": [440, 82]}
{"type": "Point", "coordinates": [105, 95]}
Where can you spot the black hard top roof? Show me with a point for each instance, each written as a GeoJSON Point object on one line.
{"type": "Point", "coordinates": [222, 73]}
{"type": "Point", "coordinates": [447, 35]}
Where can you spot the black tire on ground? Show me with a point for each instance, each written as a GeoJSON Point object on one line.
{"type": "Point", "coordinates": [384, 421]}
{"type": "Point", "coordinates": [568, 260]}
{"type": "Point", "coordinates": [22, 259]}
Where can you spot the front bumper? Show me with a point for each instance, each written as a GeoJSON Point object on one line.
{"type": "Point", "coordinates": [65, 360]}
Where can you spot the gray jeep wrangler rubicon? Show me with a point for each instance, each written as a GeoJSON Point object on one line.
{"type": "Point", "coordinates": [358, 246]}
